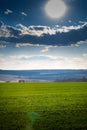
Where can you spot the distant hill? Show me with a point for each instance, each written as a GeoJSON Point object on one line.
{"type": "Point", "coordinates": [43, 75]}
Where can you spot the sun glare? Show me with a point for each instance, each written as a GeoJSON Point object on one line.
{"type": "Point", "coordinates": [55, 8]}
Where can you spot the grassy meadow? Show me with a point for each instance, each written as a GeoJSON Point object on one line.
{"type": "Point", "coordinates": [43, 106]}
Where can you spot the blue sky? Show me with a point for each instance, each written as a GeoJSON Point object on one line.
{"type": "Point", "coordinates": [30, 38]}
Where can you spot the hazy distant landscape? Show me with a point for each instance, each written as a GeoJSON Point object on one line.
{"type": "Point", "coordinates": [43, 75]}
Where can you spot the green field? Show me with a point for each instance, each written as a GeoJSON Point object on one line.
{"type": "Point", "coordinates": [43, 106]}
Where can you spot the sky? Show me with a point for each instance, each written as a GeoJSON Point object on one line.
{"type": "Point", "coordinates": [43, 34]}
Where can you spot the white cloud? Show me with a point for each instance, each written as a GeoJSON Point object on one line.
{"type": "Point", "coordinates": [80, 42]}
{"type": "Point", "coordinates": [47, 62]}
{"type": "Point", "coordinates": [23, 13]}
{"type": "Point", "coordinates": [41, 30]}
{"type": "Point", "coordinates": [85, 55]}
{"type": "Point", "coordinates": [44, 35]}
{"type": "Point", "coordinates": [31, 57]}
{"type": "Point", "coordinates": [8, 31]}
{"type": "Point", "coordinates": [36, 30]}
{"type": "Point", "coordinates": [8, 11]}
{"type": "Point", "coordinates": [46, 48]}
{"type": "Point", "coordinates": [26, 44]}
{"type": "Point", "coordinates": [19, 57]}
{"type": "Point", "coordinates": [4, 32]}
{"type": "Point", "coordinates": [13, 62]}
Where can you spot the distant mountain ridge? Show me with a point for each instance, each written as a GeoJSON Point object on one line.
{"type": "Point", "coordinates": [43, 75]}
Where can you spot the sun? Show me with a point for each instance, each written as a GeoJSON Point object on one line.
{"type": "Point", "coordinates": [55, 8]}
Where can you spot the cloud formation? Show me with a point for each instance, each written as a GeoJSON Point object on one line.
{"type": "Point", "coordinates": [46, 48]}
{"type": "Point", "coordinates": [43, 62]}
{"type": "Point", "coordinates": [33, 57]}
{"type": "Point", "coordinates": [8, 11]}
{"type": "Point", "coordinates": [26, 45]}
{"type": "Point", "coordinates": [23, 13]}
{"type": "Point", "coordinates": [44, 35]}
{"type": "Point", "coordinates": [7, 31]}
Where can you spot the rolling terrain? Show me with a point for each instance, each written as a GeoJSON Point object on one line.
{"type": "Point", "coordinates": [43, 75]}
